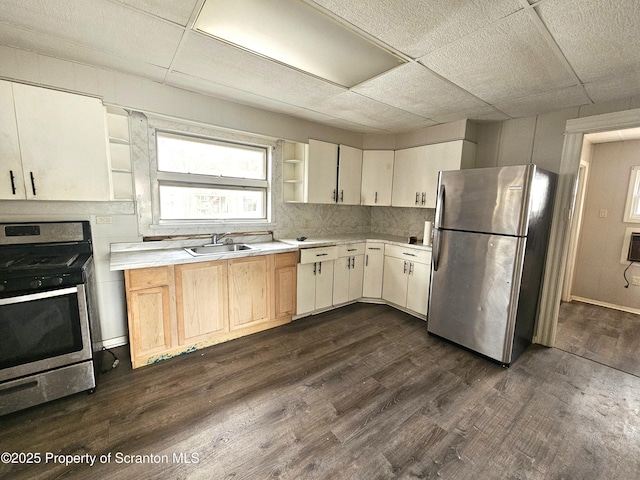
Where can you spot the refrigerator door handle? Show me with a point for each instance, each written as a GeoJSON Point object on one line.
{"type": "Point", "coordinates": [437, 234]}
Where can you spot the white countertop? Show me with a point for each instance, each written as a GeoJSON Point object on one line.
{"type": "Point", "coordinates": [127, 256]}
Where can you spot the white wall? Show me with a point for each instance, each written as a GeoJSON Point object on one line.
{"type": "Point", "coordinates": [598, 271]}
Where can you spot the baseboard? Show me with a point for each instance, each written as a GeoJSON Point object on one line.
{"type": "Point", "coordinates": [605, 304]}
{"type": "Point", "coordinates": [115, 342]}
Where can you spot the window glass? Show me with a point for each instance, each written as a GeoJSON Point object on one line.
{"type": "Point", "coordinates": [183, 154]}
{"type": "Point", "coordinates": [207, 179]}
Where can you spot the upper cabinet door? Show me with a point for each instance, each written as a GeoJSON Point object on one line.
{"type": "Point", "coordinates": [63, 142]}
{"type": "Point", "coordinates": [377, 177]}
{"type": "Point", "coordinates": [408, 177]}
{"type": "Point", "coordinates": [322, 172]}
{"type": "Point", "coordinates": [349, 175]}
{"type": "Point", "coordinates": [11, 179]}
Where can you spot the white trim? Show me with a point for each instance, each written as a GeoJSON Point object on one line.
{"type": "Point", "coordinates": [115, 342]}
{"type": "Point", "coordinates": [558, 242]}
{"type": "Point", "coordinates": [606, 305]}
{"type": "Point", "coordinates": [633, 195]}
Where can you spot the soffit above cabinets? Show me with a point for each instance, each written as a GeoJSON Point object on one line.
{"type": "Point", "coordinates": [462, 59]}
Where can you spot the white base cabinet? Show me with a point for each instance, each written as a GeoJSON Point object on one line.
{"type": "Point", "coordinates": [406, 277]}
{"type": "Point", "coordinates": [348, 273]}
{"type": "Point", "coordinates": [315, 279]}
{"type": "Point", "coordinates": [373, 270]}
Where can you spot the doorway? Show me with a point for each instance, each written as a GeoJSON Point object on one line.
{"type": "Point", "coordinates": [562, 246]}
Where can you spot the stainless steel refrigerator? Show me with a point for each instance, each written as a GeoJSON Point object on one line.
{"type": "Point", "coordinates": [489, 245]}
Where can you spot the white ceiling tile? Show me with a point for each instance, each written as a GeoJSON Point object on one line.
{"type": "Point", "coordinates": [599, 38]}
{"type": "Point", "coordinates": [364, 111]}
{"type": "Point", "coordinates": [414, 88]}
{"type": "Point", "coordinates": [63, 49]}
{"type": "Point", "coordinates": [419, 27]}
{"type": "Point", "coordinates": [614, 87]}
{"type": "Point", "coordinates": [545, 102]}
{"type": "Point", "coordinates": [99, 25]}
{"type": "Point", "coordinates": [488, 113]}
{"type": "Point", "coordinates": [509, 59]}
{"type": "Point", "coordinates": [175, 11]}
{"type": "Point", "coordinates": [232, 94]}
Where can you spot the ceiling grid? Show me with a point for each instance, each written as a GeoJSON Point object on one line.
{"type": "Point", "coordinates": [466, 58]}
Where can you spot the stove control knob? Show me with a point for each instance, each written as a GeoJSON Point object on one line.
{"type": "Point", "coordinates": [56, 281]}
{"type": "Point", "coordinates": [35, 283]}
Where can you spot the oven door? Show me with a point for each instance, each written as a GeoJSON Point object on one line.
{"type": "Point", "coordinates": [43, 331]}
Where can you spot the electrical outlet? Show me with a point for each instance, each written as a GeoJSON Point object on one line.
{"type": "Point", "coordinates": [603, 213]}
{"type": "Point", "coordinates": [103, 219]}
{"type": "Point", "coordinates": [635, 280]}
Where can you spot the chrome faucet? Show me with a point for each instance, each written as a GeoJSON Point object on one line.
{"type": "Point", "coordinates": [217, 237]}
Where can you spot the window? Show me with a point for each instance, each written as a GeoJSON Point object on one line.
{"type": "Point", "coordinates": [202, 179]}
{"type": "Point", "coordinates": [632, 208]}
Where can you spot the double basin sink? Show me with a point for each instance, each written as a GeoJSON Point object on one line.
{"type": "Point", "coordinates": [217, 248]}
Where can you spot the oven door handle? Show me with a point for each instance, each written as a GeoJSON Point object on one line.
{"type": "Point", "coordinates": [39, 295]}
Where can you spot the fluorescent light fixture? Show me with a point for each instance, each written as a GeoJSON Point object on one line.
{"type": "Point", "coordinates": [294, 33]}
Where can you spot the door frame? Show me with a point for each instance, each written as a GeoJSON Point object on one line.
{"type": "Point", "coordinates": [557, 253]}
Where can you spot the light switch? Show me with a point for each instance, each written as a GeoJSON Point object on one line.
{"type": "Point", "coordinates": [603, 213]}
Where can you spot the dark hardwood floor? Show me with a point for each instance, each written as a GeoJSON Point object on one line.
{"type": "Point", "coordinates": [362, 392]}
{"type": "Point", "coordinates": [604, 335]}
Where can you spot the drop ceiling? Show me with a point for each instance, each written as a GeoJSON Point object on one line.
{"type": "Point", "coordinates": [477, 59]}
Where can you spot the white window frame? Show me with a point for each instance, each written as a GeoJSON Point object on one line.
{"type": "Point", "coordinates": [633, 197]}
{"type": "Point", "coordinates": [149, 211]}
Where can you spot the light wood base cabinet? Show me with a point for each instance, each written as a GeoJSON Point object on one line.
{"type": "Point", "coordinates": [178, 309]}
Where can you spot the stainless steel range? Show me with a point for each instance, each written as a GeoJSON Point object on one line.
{"type": "Point", "coordinates": [49, 330]}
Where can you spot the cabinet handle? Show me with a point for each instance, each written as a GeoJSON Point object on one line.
{"type": "Point", "coordinates": [334, 197]}
{"type": "Point", "coordinates": [351, 249]}
{"type": "Point", "coordinates": [315, 265]}
{"type": "Point", "coordinates": [33, 183]}
{"type": "Point", "coordinates": [409, 254]}
{"type": "Point", "coordinates": [321, 254]}
{"type": "Point", "coordinates": [405, 267]}
{"type": "Point", "coordinates": [424, 198]}
{"type": "Point", "coordinates": [417, 197]}
{"type": "Point", "coordinates": [13, 182]}
{"type": "Point", "coordinates": [353, 262]}
{"type": "Point", "coordinates": [342, 196]}
{"type": "Point", "coordinates": [374, 248]}
{"type": "Point", "coordinates": [410, 268]}
{"type": "Point", "coordinates": [319, 268]}
{"type": "Point", "coordinates": [348, 263]}
{"type": "Point", "coordinates": [366, 260]}
{"type": "Point", "coordinates": [376, 198]}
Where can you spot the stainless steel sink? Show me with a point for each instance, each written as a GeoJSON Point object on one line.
{"type": "Point", "coordinates": [216, 249]}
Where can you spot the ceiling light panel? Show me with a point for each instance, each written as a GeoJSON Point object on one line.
{"type": "Point", "coordinates": [295, 34]}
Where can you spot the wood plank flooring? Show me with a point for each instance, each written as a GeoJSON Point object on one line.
{"type": "Point", "coordinates": [604, 335]}
{"type": "Point", "coordinates": [361, 392]}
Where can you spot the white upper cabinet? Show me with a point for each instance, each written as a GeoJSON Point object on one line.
{"type": "Point", "coordinates": [333, 173]}
{"type": "Point", "coordinates": [415, 171]}
{"type": "Point", "coordinates": [62, 141]}
{"type": "Point", "coordinates": [377, 177]}
{"type": "Point", "coordinates": [11, 178]}
{"type": "Point", "coordinates": [322, 172]}
{"type": "Point", "coordinates": [409, 172]}
{"type": "Point", "coordinates": [349, 175]}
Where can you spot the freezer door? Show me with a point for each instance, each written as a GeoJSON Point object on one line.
{"type": "Point", "coordinates": [473, 293]}
{"type": "Point", "coordinates": [490, 200]}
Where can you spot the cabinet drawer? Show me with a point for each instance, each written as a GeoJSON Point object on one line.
{"type": "Point", "coordinates": [351, 250]}
{"type": "Point", "coordinates": [147, 277]}
{"type": "Point", "coordinates": [372, 248]}
{"type": "Point", "coordinates": [408, 253]}
{"type": "Point", "coordinates": [320, 254]}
